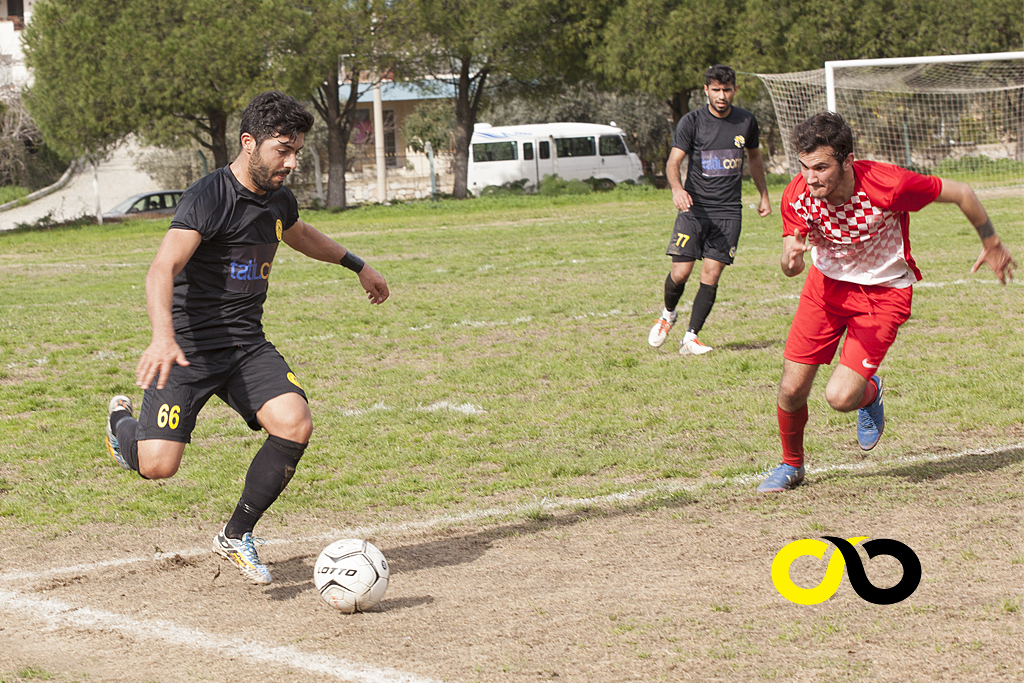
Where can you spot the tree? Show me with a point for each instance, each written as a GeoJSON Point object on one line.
{"type": "Point", "coordinates": [166, 70]}
{"type": "Point", "coordinates": [479, 45]}
{"type": "Point", "coordinates": [194, 64]}
{"type": "Point", "coordinates": [335, 45]}
{"type": "Point", "coordinates": [777, 36]}
{"type": "Point", "coordinates": [78, 99]}
{"type": "Point", "coordinates": [432, 121]}
{"type": "Point", "coordinates": [663, 47]}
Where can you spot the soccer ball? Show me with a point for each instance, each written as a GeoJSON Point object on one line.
{"type": "Point", "coordinates": [351, 575]}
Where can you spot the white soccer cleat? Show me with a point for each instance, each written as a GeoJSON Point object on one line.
{"type": "Point", "coordinates": [659, 332]}
{"type": "Point", "coordinates": [693, 347]}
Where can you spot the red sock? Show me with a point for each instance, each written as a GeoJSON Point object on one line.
{"type": "Point", "coordinates": [870, 394]}
{"type": "Point", "coordinates": [791, 430]}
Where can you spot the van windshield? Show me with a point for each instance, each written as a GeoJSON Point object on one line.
{"type": "Point", "coordinates": [612, 145]}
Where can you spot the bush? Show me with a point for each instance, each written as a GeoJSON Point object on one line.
{"type": "Point", "coordinates": [553, 186]}
{"type": "Point", "coordinates": [600, 184]}
{"type": "Point", "coordinates": [630, 187]}
{"type": "Point", "coordinates": [8, 193]}
{"type": "Point", "coordinates": [511, 188]}
{"type": "Point", "coordinates": [25, 160]}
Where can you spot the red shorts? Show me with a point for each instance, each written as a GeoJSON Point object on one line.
{"type": "Point", "coordinates": [870, 315]}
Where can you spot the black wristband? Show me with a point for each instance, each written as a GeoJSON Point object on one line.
{"type": "Point", "coordinates": [985, 230]}
{"type": "Point", "coordinates": [352, 262]}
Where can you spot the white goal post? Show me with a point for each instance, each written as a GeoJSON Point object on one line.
{"type": "Point", "coordinates": [959, 116]}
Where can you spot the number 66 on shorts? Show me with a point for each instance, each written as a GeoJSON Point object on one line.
{"type": "Point", "coordinates": [168, 416]}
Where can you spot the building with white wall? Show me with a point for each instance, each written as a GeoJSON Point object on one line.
{"type": "Point", "coordinates": [14, 16]}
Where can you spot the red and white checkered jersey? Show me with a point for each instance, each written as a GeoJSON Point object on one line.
{"type": "Point", "coordinates": [866, 240]}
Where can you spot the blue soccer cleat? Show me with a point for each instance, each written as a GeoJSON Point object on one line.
{"type": "Point", "coordinates": [242, 552]}
{"type": "Point", "coordinates": [782, 478]}
{"type": "Point", "coordinates": [122, 404]}
{"type": "Point", "coordinates": [871, 420]}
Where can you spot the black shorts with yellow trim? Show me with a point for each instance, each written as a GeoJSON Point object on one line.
{"type": "Point", "coordinates": [696, 235]}
{"type": "Point", "coordinates": [245, 377]}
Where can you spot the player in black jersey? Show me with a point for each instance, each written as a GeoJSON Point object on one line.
{"type": "Point", "coordinates": [707, 227]}
{"type": "Point", "coordinates": [204, 295]}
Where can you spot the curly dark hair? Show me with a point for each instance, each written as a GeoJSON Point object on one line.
{"type": "Point", "coordinates": [273, 113]}
{"type": "Point", "coordinates": [826, 129]}
{"type": "Point", "coordinates": [720, 73]}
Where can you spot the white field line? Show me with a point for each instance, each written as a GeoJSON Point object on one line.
{"type": "Point", "coordinates": [60, 614]}
{"type": "Point", "coordinates": [57, 614]}
{"type": "Point", "coordinates": [513, 511]}
{"type": "Point", "coordinates": [464, 408]}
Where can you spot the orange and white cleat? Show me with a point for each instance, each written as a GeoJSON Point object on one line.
{"type": "Point", "coordinates": [659, 332]}
{"type": "Point", "coordinates": [693, 347]}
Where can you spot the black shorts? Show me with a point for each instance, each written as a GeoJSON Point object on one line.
{"type": "Point", "coordinates": [244, 377]}
{"type": "Point", "coordinates": [699, 236]}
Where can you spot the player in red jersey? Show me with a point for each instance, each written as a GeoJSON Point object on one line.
{"type": "Point", "coordinates": [853, 216]}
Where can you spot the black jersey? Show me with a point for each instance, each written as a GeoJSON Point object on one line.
{"type": "Point", "coordinates": [219, 294]}
{"type": "Point", "coordinates": [716, 149]}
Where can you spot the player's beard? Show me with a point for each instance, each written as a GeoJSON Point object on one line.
{"type": "Point", "coordinates": [262, 175]}
{"type": "Point", "coordinates": [840, 175]}
{"type": "Point", "coordinates": [824, 191]}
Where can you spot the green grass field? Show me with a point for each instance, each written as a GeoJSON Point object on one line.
{"type": "Point", "coordinates": [509, 365]}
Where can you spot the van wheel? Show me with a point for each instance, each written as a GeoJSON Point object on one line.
{"type": "Point", "coordinates": [604, 185]}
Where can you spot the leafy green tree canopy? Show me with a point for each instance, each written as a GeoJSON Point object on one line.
{"type": "Point", "coordinates": [169, 71]}
{"type": "Point", "coordinates": [79, 98]}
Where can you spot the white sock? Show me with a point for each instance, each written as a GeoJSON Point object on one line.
{"type": "Point", "coordinates": [668, 315]}
{"type": "Point", "coordinates": [690, 335]}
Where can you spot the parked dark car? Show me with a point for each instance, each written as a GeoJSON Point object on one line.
{"type": "Point", "coordinates": [160, 203]}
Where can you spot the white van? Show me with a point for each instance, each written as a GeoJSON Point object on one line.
{"type": "Point", "coordinates": [573, 151]}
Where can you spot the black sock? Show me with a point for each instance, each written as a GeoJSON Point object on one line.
{"type": "Point", "coordinates": [702, 304]}
{"type": "Point", "coordinates": [125, 428]}
{"type": "Point", "coordinates": [116, 417]}
{"type": "Point", "coordinates": [673, 292]}
{"type": "Point", "coordinates": [268, 475]}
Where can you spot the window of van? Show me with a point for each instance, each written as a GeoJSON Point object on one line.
{"type": "Point", "coordinates": [544, 149]}
{"type": "Point", "coordinates": [575, 147]}
{"type": "Point", "coordinates": [612, 145]}
{"type": "Point", "coordinates": [527, 150]}
{"type": "Point", "coordinates": [495, 151]}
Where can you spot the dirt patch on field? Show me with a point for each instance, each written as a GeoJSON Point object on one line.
{"type": "Point", "coordinates": [671, 588]}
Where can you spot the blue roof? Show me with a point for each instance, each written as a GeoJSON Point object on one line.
{"type": "Point", "coordinates": [395, 91]}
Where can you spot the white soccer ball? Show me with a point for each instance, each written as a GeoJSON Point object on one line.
{"type": "Point", "coordinates": [351, 575]}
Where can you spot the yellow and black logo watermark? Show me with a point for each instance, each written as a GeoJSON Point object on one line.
{"type": "Point", "coordinates": [846, 557]}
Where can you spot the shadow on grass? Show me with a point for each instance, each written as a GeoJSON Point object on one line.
{"type": "Point", "coordinates": [754, 345]}
{"type": "Point", "coordinates": [456, 550]}
{"type": "Point", "coordinates": [291, 576]}
{"type": "Point", "coordinates": [931, 471]}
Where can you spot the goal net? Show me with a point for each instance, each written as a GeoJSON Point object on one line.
{"type": "Point", "coordinates": [958, 116]}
